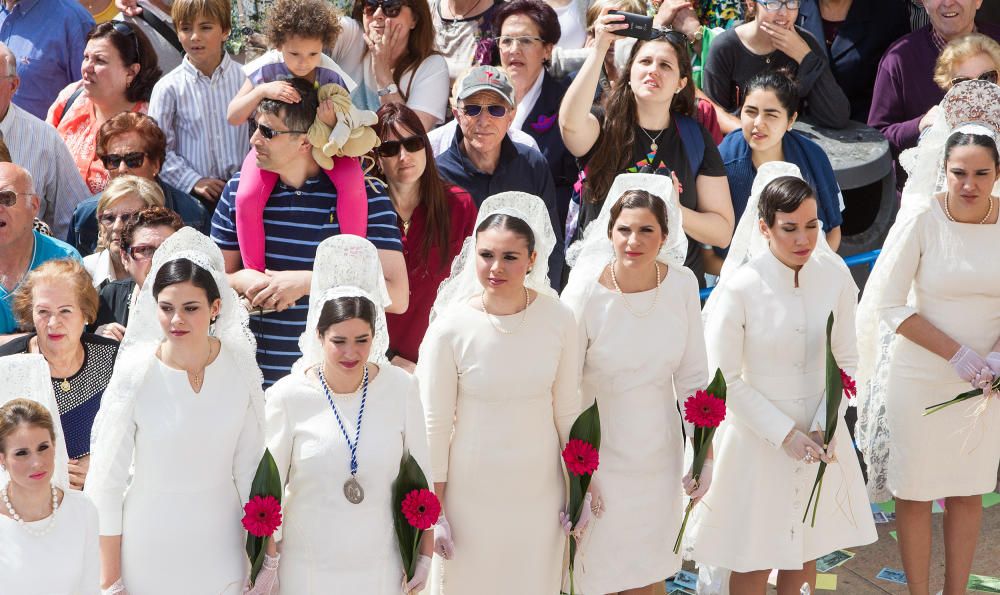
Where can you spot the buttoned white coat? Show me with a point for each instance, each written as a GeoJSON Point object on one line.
{"type": "Point", "coordinates": [768, 336]}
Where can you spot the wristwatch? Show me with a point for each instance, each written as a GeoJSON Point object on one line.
{"type": "Point", "coordinates": [392, 88]}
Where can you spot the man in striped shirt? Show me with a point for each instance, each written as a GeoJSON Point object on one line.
{"type": "Point", "coordinates": [300, 213]}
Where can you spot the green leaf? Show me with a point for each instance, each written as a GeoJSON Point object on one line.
{"type": "Point", "coordinates": [962, 397]}
{"type": "Point", "coordinates": [410, 477]}
{"type": "Point", "coordinates": [834, 385]}
{"type": "Point", "coordinates": [587, 427]}
{"type": "Point", "coordinates": [717, 386]}
{"type": "Point", "coordinates": [266, 482]}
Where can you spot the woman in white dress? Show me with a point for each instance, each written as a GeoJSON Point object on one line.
{"type": "Point", "coordinates": [928, 326]}
{"type": "Point", "coordinates": [47, 531]}
{"type": "Point", "coordinates": [186, 402]}
{"type": "Point", "coordinates": [344, 417]}
{"type": "Point", "coordinates": [643, 352]}
{"type": "Point", "coordinates": [765, 328]}
{"type": "Point", "coordinates": [498, 379]}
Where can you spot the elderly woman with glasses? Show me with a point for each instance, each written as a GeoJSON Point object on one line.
{"type": "Point", "coordinates": [139, 239]}
{"type": "Point", "coordinates": [772, 41]}
{"type": "Point", "coordinates": [56, 302]}
{"type": "Point", "coordinates": [966, 58]}
{"type": "Point", "coordinates": [388, 47]}
{"type": "Point", "coordinates": [119, 70]}
{"type": "Point", "coordinates": [131, 143]}
{"type": "Point", "coordinates": [120, 201]}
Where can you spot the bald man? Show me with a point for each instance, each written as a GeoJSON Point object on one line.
{"type": "Point", "coordinates": [21, 247]}
{"type": "Point", "coordinates": [37, 147]}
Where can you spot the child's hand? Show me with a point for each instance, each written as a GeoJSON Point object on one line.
{"type": "Point", "coordinates": [326, 113]}
{"type": "Point", "coordinates": [279, 91]}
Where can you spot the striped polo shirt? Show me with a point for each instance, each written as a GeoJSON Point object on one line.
{"type": "Point", "coordinates": [296, 220]}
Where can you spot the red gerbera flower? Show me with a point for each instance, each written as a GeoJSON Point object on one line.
{"type": "Point", "coordinates": [850, 387]}
{"type": "Point", "coordinates": [704, 410]}
{"type": "Point", "coordinates": [581, 457]}
{"type": "Point", "coordinates": [263, 516]}
{"type": "Point", "coordinates": [421, 509]}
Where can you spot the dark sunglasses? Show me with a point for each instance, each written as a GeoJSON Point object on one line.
{"type": "Point", "coordinates": [109, 219]}
{"type": "Point", "coordinates": [132, 160]}
{"type": "Point", "coordinates": [142, 251]}
{"type": "Point", "coordinates": [8, 198]}
{"type": "Point", "coordinates": [989, 76]}
{"type": "Point", "coordinates": [473, 110]}
{"type": "Point", "coordinates": [123, 28]}
{"type": "Point", "coordinates": [390, 8]}
{"type": "Point", "coordinates": [270, 133]}
{"type": "Point", "coordinates": [390, 148]}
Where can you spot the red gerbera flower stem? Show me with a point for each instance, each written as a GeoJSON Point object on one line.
{"type": "Point", "coordinates": [680, 534]}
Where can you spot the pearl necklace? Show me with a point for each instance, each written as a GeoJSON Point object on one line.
{"type": "Point", "coordinates": [31, 531]}
{"type": "Point", "coordinates": [656, 296]}
{"type": "Point", "coordinates": [947, 211]}
{"type": "Point", "coordinates": [494, 324]}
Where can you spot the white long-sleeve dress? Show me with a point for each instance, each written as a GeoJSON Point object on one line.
{"type": "Point", "coordinates": [329, 545]}
{"type": "Point", "coordinates": [955, 278]}
{"type": "Point", "coordinates": [769, 339]}
{"type": "Point", "coordinates": [64, 561]}
{"type": "Point", "coordinates": [195, 455]}
{"type": "Point", "coordinates": [638, 369]}
{"type": "Point", "coordinates": [499, 408]}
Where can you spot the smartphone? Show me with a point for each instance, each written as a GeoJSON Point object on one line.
{"type": "Point", "coordinates": [640, 26]}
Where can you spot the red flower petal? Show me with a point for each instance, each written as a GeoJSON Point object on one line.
{"type": "Point", "coordinates": [421, 509]}
{"type": "Point", "coordinates": [850, 387]}
{"type": "Point", "coordinates": [581, 457]}
{"type": "Point", "coordinates": [262, 516]}
{"type": "Point", "coordinates": [704, 410]}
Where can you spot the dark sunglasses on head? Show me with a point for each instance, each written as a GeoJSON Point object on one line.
{"type": "Point", "coordinates": [142, 251]}
{"type": "Point", "coordinates": [132, 160]}
{"type": "Point", "coordinates": [989, 76]}
{"type": "Point", "coordinates": [474, 109]}
{"type": "Point", "coordinates": [123, 28]}
{"type": "Point", "coordinates": [390, 148]}
{"type": "Point", "coordinates": [109, 219]}
{"type": "Point", "coordinates": [270, 133]}
{"type": "Point", "coordinates": [390, 8]}
{"type": "Point", "coordinates": [8, 198]}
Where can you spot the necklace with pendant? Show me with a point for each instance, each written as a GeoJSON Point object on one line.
{"type": "Point", "coordinates": [353, 491]}
{"type": "Point", "coordinates": [653, 139]}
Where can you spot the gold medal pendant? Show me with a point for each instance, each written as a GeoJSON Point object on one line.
{"type": "Point", "coordinates": [64, 385]}
{"type": "Point", "coordinates": [353, 491]}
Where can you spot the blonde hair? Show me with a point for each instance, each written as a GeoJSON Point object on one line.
{"type": "Point", "coordinates": [61, 271]}
{"type": "Point", "coordinates": [960, 49]}
{"type": "Point", "coordinates": [186, 11]}
{"type": "Point", "coordinates": [24, 411]}
{"type": "Point", "coordinates": [147, 191]}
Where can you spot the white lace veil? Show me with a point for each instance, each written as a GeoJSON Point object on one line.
{"type": "Point", "coordinates": [345, 266]}
{"type": "Point", "coordinates": [144, 336]}
{"type": "Point", "coordinates": [594, 251]}
{"type": "Point", "coordinates": [748, 241]}
{"type": "Point", "coordinates": [463, 283]}
{"type": "Point", "coordinates": [972, 107]}
{"type": "Point", "coordinates": [27, 376]}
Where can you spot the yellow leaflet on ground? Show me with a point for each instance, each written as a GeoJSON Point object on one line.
{"type": "Point", "coordinates": [826, 582]}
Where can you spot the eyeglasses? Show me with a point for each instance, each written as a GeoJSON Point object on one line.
{"type": "Point", "coordinates": [8, 198]}
{"type": "Point", "coordinates": [390, 148]}
{"type": "Point", "coordinates": [132, 160]}
{"type": "Point", "coordinates": [989, 76]}
{"type": "Point", "coordinates": [269, 133]}
{"type": "Point", "coordinates": [142, 251]}
{"type": "Point", "coordinates": [506, 42]}
{"type": "Point", "coordinates": [474, 109]}
{"type": "Point", "coordinates": [109, 219]}
{"type": "Point", "coordinates": [775, 5]}
{"type": "Point", "coordinates": [390, 8]}
{"type": "Point", "coordinates": [123, 28]}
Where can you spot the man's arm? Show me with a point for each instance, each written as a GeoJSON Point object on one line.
{"type": "Point", "coordinates": [396, 280]}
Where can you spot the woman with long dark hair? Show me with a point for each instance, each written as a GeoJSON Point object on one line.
{"type": "Point", "coordinates": [652, 131]}
{"type": "Point", "coordinates": [434, 219]}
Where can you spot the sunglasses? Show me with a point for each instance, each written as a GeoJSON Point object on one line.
{"type": "Point", "coordinates": [8, 198]}
{"type": "Point", "coordinates": [142, 251]}
{"type": "Point", "coordinates": [390, 148]}
{"type": "Point", "coordinates": [109, 219]}
{"type": "Point", "coordinates": [270, 133]}
{"type": "Point", "coordinates": [473, 110]}
{"type": "Point", "coordinates": [390, 8]}
{"type": "Point", "coordinates": [989, 76]}
{"type": "Point", "coordinates": [124, 29]}
{"type": "Point", "coordinates": [132, 160]}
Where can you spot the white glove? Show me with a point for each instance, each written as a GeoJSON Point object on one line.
{"type": "Point", "coordinates": [420, 575]}
{"type": "Point", "coordinates": [993, 362]}
{"type": "Point", "coordinates": [968, 364]}
{"type": "Point", "coordinates": [801, 447]}
{"type": "Point", "coordinates": [443, 544]}
{"type": "Point", "coordinates": [696, 490]}
{"type": "Point", "coordinates": [118, 588]}
{"type": "Point", "coordinates": [830, 455]}
{"type": "Point", "coordinates": [266, 578]}
{"type": "Point", "coordinates": [586, 514]}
